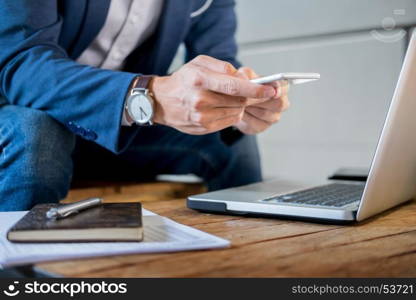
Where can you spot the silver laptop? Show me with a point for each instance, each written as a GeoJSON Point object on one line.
{"type": "Point", "coordinates": [391, 179]}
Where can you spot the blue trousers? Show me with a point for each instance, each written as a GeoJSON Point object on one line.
{"type": "Point", "coordinates": [39, 158]}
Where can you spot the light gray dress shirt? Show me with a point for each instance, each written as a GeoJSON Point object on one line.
{"type": "Point", "coordinates": [129, 23]}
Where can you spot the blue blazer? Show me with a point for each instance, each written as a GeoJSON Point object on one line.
{"type": "Point", "coordinates": [40, 40]}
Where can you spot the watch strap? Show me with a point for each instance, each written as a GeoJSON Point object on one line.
{"type": "Point", "coordinates": [141, 82]}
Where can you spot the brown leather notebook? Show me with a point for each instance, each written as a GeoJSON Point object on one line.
{"type": "Point", "coordinates": [108, 222]}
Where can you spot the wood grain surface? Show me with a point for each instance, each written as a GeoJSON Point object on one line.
{"type": "Point", "coordinates": [384, 246]}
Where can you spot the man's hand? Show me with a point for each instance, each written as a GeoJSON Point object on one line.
{"type": "Point", "coordinates": [260, 116]}
{"type": "Point", "coordinates": [205, 96]}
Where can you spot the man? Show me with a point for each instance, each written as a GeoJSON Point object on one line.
{"type": "Point", "coordinates": [77, 100]}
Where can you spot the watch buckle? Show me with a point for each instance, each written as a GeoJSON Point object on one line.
{"type": "Point", "coordinates": [136, 91]}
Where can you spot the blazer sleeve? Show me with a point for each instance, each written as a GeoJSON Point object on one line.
{"type": "Point", "coordinates": [36, 72]}
{"type": "Point", "coordinates": [213, 33]}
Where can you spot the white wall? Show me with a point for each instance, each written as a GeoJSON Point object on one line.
{"type": "Point", "coordinates": [336, 121]}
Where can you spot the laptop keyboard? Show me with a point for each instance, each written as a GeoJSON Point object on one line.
{"type": "Point", "coordinates": [331, 195]}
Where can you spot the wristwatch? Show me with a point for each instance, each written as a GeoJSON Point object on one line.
{"type": "Point", "coordinates": [140, 103]}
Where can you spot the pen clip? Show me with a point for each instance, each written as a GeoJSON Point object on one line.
{"type": "Point", "coordinates": [68, 213]}
{"type": "Point", "coordinates": [72, 208]}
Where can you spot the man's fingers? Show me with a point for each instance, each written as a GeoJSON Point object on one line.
{"type": "Point", "coordinates": [246, 73]}
{"type": "Point", "coordinates": [282, 88]}
{"type": "Point", "coordinates": [264, 115]}
{"type": "Point", "coordinates": [208, 117]}
{"type": "Point", "coordinates": [243, 74]}
{"type": "Point", "coordinates": [214, 64]}
{"type": "Point", "coordinates": [231, 85]}
{"type": "Point", "coordinates": [252, 125]}
{"type": "Point", "coordinates": [255, 102]}
{"type": "Point", "coordinates": [224, 123]}
{"type": "Point", "coordinates": [212, 127]}
{"type": "Point", "coordinates": [275, 105]}
{"type": "Point", "coordinates": [207, 99]}
{"type": "Point", "coordinates": [285, 103]}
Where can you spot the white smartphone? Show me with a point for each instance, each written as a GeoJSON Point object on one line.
{"type": "Point", "coordinates": [292, 78]}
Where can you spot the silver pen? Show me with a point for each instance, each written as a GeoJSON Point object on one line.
{"type": "Point", "coordinates": [64, 211]}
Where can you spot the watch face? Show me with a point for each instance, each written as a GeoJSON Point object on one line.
{"type": "Point", "coordinates": [140, 108]}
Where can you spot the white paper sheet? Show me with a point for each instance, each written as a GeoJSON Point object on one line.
{"type": "Point", "coordinates": [160, 235]}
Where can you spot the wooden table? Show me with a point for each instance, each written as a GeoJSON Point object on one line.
{"type": "Point", "coordinates": [384, 246]}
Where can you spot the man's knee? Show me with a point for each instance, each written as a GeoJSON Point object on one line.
{"type": "Point", "coordinates": [224, 166]}
{"type": "Point", "coordinates": [245, 162]}
{"type": "Point", "coordinates": [38, 138]}
{"type": "Point", "coordinates": [36, 154]}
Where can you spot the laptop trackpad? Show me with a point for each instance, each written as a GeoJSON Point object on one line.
{"type": "Point", "coordinates": [256, 191]}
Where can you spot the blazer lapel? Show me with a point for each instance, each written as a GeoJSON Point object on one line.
{"type": "Point", "coordinates": [94, 19]}
{"type": "Point", "coordinates": [173, 25]}
{"type": "Point", "coordinates": [73, 14]}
